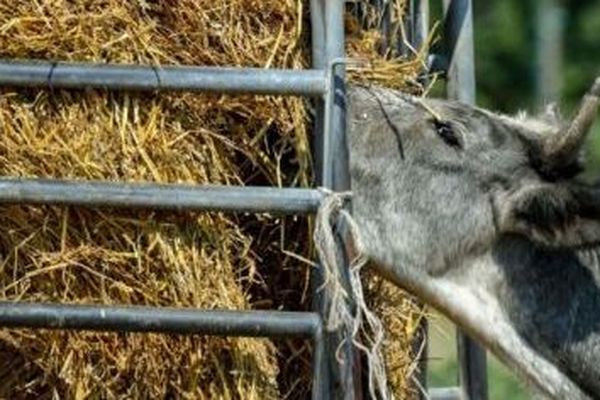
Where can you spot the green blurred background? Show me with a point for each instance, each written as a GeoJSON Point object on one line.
{"type": "Point", "coordinates": [528, 53]}
{"type": "Point", "coordinates": [531, 52]}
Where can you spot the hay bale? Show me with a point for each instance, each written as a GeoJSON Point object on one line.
{"type": "Point", "coordinates": [199, 260]}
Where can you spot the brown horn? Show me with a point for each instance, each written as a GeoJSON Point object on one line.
{"type": "Point", "coordinates": [563, 149]}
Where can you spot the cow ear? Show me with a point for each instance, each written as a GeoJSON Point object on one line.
{"type": "Point", "coordinates": [554, 215]}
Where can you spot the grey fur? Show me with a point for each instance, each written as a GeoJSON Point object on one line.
{"type": "Point", "coordinates": [475, 226]}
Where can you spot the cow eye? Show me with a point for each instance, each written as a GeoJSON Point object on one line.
{"type": "Point", "coordinates": [447, 133]}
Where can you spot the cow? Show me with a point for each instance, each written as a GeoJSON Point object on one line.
{"type": "Point", "coordinates": [484, 216]}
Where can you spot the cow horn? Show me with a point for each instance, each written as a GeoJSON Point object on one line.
{"type": "Point", "coordinates": [563, 149]}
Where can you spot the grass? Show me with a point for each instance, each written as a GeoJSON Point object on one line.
{"type": "Point", "coordinates": [443, 366]}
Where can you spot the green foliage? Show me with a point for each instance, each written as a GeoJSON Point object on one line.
{"type": "Point", "coordinates": [505, 51]}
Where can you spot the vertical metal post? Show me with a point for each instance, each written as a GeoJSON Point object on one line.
{"type": "Point", "coordinates": [321, 383]}
{"type": "Point", "coordinates": [385, 24]}
{"type": "Point", "coordinates": [336, 175]}
{"type": "Point", "coordinates": [331, 161]}
{"type": "Point", "coordinates": [416, 26]}
{"type": "Point", "coordinates": [419, 22]}
{"type": "Point", "coordinates": [458, 35]}
{"type": "Point", "coordinates": [335, 163]}
{"type": "Point", "coordinates": [319, 61]}
{"type": "Point", "coordinates": [549, 50]}
{"type": "Point", "coordinates": [320, 376]}
{"type": "Point", "coordinates": [458, 32]}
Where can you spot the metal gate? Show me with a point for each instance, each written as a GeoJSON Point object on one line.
{"type": "Point", "coordinates": [332, 377]}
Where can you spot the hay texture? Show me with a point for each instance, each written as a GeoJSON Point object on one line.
{"type": "Point", "coordinates": [203, 260]}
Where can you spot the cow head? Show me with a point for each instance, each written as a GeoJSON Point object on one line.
{"type": "Point", "coordinates": [481, 215]}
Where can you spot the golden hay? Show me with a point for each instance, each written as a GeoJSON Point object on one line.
{"type": "Point", "coordinates": [199, 260]}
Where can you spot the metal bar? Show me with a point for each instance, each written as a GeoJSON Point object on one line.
{"type": "Point", "coordinates": [472, 368]}
{"type": "Point", "coordinates": [159, 320]}
{"type": "Point", "coordinates": [420, 350]}
{"type": "Point", "coordinates": [321, 373]}
{"type": "Point", "coordinates": [163, 196]}
{"type": "Point", "coordinates": [458, 34]}
{"type": "Point", "coordinates": [385, 25]}
{"type": "Point", "coordinates": [317, 25]}
{"type": "Point", "coordinates": [137, 77]}
{"type": "Point", "coordinates": [343, 360]}
{"type": "Point", "coordinates": [320, 376]}
{"type": "Point", "coordinates": [419, 22]}
{"type": "Point", "coordinates": [450, 393]}
{"type": "Point", "coordinates": [274, 324]}
{"type": "Point", "coordinates": [336, 170]}
{"type": "Point", "coordinates": [319, 61]}
{"type": "Point", "coordinates": [458, 30]}
{"type": "Point", "coordinates": [549, 48]}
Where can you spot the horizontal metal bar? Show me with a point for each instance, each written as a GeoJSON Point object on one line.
{"type": "Point", "coordinates": [140, 77]}
{"type": "Point", "coordinates": [447, 393]}
{"type": "Point", "coordinates": [161, 196]}
{"type": "Point", "coordinates": [160, 320]}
